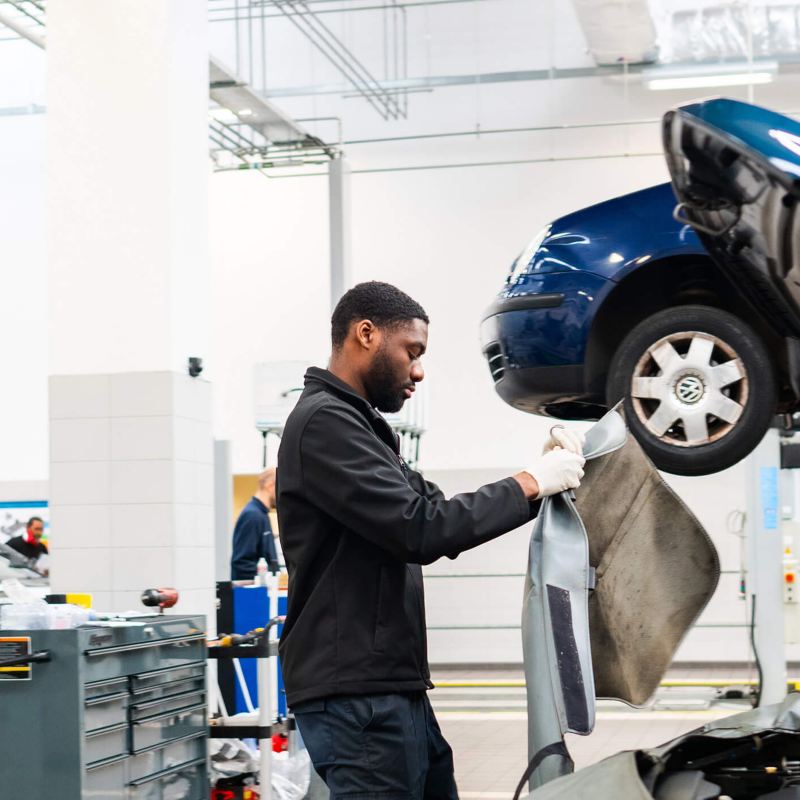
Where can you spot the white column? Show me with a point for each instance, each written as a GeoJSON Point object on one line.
{"type": "Point", "coordinates": [765, 565]}
{"type": "Point", "coordinates": [339, 216]}
{"type": "Point", "coordinates": [131, 446]}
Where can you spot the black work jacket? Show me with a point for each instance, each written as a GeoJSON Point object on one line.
{"type": "Point", "coordinates": [355, 524]}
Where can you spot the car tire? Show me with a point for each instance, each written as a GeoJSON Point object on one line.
{"type": "Point", "coordinates": [685, 363]}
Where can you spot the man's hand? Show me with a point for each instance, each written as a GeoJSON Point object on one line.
{"type": "Point", "coordinates": [556, 471]}
{"type": "Point", "coordinates": [565, 438]}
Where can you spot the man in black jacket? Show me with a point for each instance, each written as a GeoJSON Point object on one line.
{"type": "Point", "coordinates": [355, 525]}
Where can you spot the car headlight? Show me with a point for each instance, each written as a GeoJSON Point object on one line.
{"type": "Point", "coordinates": [520, 266]}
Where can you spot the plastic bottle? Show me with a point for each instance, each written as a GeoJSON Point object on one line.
{"type": "Point", "coordinates": [261, 572]}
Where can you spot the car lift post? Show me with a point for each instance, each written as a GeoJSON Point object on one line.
{"type": "Point", "coordinates": [765, 566]}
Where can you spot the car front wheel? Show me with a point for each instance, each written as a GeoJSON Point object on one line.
{"type": "Point", "coordinates": [698, 387]}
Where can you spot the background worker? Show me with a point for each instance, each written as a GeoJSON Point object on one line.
{"type": "Point", "coordinates": [30, 543]}
{"type": "Point", "coordinates": [356, 524]}
{"type": "Point", "coordinates": [252, 536]}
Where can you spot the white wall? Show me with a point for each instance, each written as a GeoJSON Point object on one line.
{"type": "Point", "coordinates": [446, 236]}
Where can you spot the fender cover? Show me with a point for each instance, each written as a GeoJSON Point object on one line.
{"type": "Point", "coordinates": [616, 576]}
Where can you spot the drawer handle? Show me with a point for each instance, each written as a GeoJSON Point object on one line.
{"type": "Point", "coordinates": [161, 700]}
{"type": "Point", "coordinates": [168, 742]}
{"type": "Point", "coordinates": [126, 648]}
{"type": "Point", "coordinates": [106, 698]}
{"type": "Point", "coordinates": [200, 666]}
{"type": "Point", "coordinates": [106, 762]}
{"type": "Point", "coordinates": [108, 682]}
{"type": "Point", "coordinates": [170, 685]}
{"type": "Point", "coordinates": [117, 726]}
{"type": "Point", "coordinates": [174, 712]}
{"type": "Point", "coordinates": [169, 771]}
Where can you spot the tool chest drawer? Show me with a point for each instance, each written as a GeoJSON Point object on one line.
{"type": "Point", "coordinates": [152, 680]}
{"type": "Point", "coordinates": [100, 712]}
{"type": "Point", "coordinates": [162, 705]}
{"type": "Point", "coordinates": [106, 780]}
{"type": "Point", "coordinates": [173, 682]}
{"type": "Point", "coordinates": [105, 688]}
{"type": "Point", "coordinates": [166, 755]}
{"type": "Point", "coordinates": [164, 727]}
{"type": "Point", "coordinates": [186, 781]}
{"type": "Point", "coordinates": [130, 659]}
{"type": "Point", "coordinates": [106, 743]}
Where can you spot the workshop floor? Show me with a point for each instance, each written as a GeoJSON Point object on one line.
{"type": "Point", "coordinates": [487, 727]}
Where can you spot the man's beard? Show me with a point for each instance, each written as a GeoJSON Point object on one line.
{"type": "Point", "coordinates": [382, 388]}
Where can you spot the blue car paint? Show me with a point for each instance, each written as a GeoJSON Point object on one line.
{"type": "Point", "coordinates": [773, 136]}
{"type": "Point", "coordinates": [611, 239]}
{"type": "Point", "coordinates": [553, 336]}
{"type": "Point", "coordinates": [583, 256]}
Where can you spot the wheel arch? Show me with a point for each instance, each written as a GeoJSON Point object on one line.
{"type": "Point", "coordinates": [659, 285]}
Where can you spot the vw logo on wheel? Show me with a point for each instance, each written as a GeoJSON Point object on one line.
{"type": "Point", "coordinates": [690, 389]}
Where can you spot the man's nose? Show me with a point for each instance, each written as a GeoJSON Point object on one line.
{"type": "Point", "coordinates": [417, 373]}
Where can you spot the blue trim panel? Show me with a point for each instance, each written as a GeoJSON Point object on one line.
{"type": "Point", "coordinates": [23, 504]}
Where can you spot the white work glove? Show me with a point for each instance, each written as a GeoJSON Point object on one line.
{"type": "Point", "coordinates": [560, 436]}
{"type": "Point", "coordinates": [557, 471]}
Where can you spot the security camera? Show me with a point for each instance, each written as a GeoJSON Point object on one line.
{"type": "Point", "coordinates": [195, 366]}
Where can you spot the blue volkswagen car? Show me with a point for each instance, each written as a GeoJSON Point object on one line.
{"type": "Point", "coordinates": [682, 300]}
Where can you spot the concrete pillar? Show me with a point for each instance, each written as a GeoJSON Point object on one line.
{"type": "Point", "coordinates": [131, 449]}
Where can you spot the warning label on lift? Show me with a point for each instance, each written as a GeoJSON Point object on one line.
{"type": "Point", "coordinates": [14, 647]}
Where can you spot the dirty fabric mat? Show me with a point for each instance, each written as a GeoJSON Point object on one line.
{"type": "Point", "coordinates": [656, 569]}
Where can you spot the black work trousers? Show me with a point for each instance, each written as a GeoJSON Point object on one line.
{"type": "Point", "coordinates": [378, 747]}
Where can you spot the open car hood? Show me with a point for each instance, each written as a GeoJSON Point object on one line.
{"type": "Point", "coordinates": [735, 168]}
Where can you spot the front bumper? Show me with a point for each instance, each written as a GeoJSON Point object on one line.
{"type": "Point", "coordinates": [535, 343]}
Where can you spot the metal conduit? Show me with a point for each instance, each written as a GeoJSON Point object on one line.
{"type": "Point", "coordinates": [417, 167]}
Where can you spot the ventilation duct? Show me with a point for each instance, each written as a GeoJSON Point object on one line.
{"type": "Point", "coordinates": [618, 31]}
{"type": "Point", "coordinates": [718, 31]}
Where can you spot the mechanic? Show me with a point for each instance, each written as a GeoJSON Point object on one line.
{"type": "Point", "coordinates": [355, 525]}
{"type": "Point", "coordinates": [30, 544]}
{"type": "Point", "coordinates": [252, 536]}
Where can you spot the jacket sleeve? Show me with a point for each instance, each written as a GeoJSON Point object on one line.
{"type": "Point", "coordinates": [428, 489]}
{"type": "Point", "coordinates": [355, 478]}
{"type": "Point", "coordinates": [247, 544]}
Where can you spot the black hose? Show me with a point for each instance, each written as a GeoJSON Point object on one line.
{"type": "Point", "coordinates": [757, 692]}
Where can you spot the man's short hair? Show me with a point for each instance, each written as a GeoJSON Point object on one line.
{"type": "Point", "coordinates": [267, 477]}
{"type": "Point", "coordinates": [32, 520]}
{"type": "Point", "coordinates": [381, 303]}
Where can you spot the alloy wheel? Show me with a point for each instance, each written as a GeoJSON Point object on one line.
{"type": "Point", "coordinates": [689, 388]}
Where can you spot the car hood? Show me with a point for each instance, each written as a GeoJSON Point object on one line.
{"type": "Point", "coordinates": [735, 169]}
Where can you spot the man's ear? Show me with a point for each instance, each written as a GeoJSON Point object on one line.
{"type": "Point", "coordinates": [367, 334]}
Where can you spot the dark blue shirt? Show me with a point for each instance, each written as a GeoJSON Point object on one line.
{"type": "Point", "coordinates": [252, 539]}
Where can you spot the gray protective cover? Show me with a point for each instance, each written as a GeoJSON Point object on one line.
{"type": "Point", "coordinates": [617, 778]}
{"type": "Point", "coordinates": [615, 579]}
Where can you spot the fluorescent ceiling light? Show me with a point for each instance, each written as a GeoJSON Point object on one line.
{"type": "Point", "coordinates": [709, 75]}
